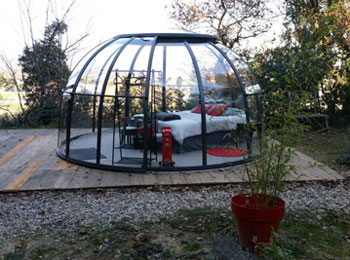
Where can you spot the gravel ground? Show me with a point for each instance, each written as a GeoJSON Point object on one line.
{"type": "Point", "coordinates": [25, 213]}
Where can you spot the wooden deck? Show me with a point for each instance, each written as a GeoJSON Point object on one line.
{"type": "Point", "coordinates": [28, 162]}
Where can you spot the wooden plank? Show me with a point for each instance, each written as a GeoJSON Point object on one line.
{"type": "Point", "coordinates": [192, 178]}
{"type": "Point", "coordinates": [219, 177]}
{"type": "Point", "coordinates": [233, 176]}
{"type": "Point", "coordinates": [114, 179]}
{"type": "Point", "coordinates": [107, 179]}
{"type": "Point", "coordinates": [165, 179]}
{"type": "Point", "coordinates": [206, 178]}
{"type": "Point", "coordinates": [44, 148]}
{"type": "Point", "coordinates": [331, 172]}
{"type": "Point", "coordinates": [29, 154]}
{"type": "Point", "coordinates": [230, 174]}
{"type": "Point", "coordinates": [299, 173]}
{"type": "Point", "coordinates": [296, 176]}
{"type": "Point", "coordinates": [6, 176]}
{"type": "Point", "coordinates": [4, 137]}
{"type": "Point", "coordinates": [62, 179]}
{"type": "Point", "coordinates": [136, 179]}
{"type": "Point", "coordinates": [306, 169]}
{"type": "Point", "coordinates": [46, 180]}
{"type": "Point", "coordinates": [178, 178]}
{"type": "Point", "coordinates": [150, 179]}
{"type": "Point", "coordinates": [34, 182]}
{"type": "Point", "coordinates": [94, 178]}
{"type": "Point", "coordinates": [23, 177]}
{"type": "Point", "coordinates": [15, 150]}
{"type": "Point", "coordinates": [63, 165]}
{"type": "Point", "coordinates": [240, 173]}
{"type": "Point", "coordinates": [7, 143]}
{"type": "Point", "coordinates": [49, 159]}
{"type": "Point", "coordinates": [311, 173]}
{"type": "Point", "coordinates": [79, 180]}
{"type": "Point", "coordinates": [121, 179]}
{"type": "Point", "coordinates": [320, 174]}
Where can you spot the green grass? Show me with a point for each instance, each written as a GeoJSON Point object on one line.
{"type": "Point", "coordinates": [9, 101]}
{"type": "Point", "coordinates": [306, 236]}
{"type": "Point", "coordinates": [201, 220]}
{"type": "Point", "coordinates": [189, 235]}
{"type": "Point", "coordinates": [326, 147]}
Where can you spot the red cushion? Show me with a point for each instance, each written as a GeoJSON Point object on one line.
{"type": "Point", "coordinates": [217, 110]}
{"type": "Point", "coordinates": [198, 109]}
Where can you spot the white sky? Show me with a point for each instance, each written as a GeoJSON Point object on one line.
{"type": "Point", "coordinates": [102, 18]}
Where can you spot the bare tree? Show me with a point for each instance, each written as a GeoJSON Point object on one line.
{"type": "Point", "coordinates": [12, 72]}
{"type": "Point", "coordinates": [70, 45]}
{"type": "Point", "coordinates": [231, 20]}
{"type": "Point", "coordinates": [54, 19]}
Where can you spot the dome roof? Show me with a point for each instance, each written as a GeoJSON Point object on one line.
{"type": "Point", "coordinates": [159, 101]}
{"type": "Point", "coordinates": [173, 34]}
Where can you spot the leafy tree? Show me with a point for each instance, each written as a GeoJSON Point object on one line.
{"type": "Point", "coordinates": [327, 22]}
{"type": "Point", "coordinates": [313, 57]}
{"type": "Point", "coordinates": [45, 71]}
{"type": "Point", "coordinates": [231, 20]}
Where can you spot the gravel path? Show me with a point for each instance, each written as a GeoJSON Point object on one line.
{"type": "Point", "coordinates": [23, 213]}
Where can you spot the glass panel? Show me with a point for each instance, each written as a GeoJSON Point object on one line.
{"type": "Point", "coordinates": [182, 91]}
{"type": "Point", "coordinates": [108, 137]}
{"type": "Point", "coordinates": [121, 143]}
{"type": "Point", "coordinates": [63, 124]}
{"type": "Point", "coordinates": [130, 69]}
{"type": "Point", "coordinates": [92, 80]}
{"type": "Point", "coordinates": [83, 138]}
{"type": "Point", "coordinates": [246, 75]}
{"type": "Point", "coordinates": [75, 73]}
{"type": "Point", "coordinates": [225, 114]}
{"type": "Point", "coordinates": [122, 140]}
{"type": "Point", "coordinates": [174, 91]}
{"type": "Point", "coordinates": [253, 108]}
{"type": "Point", "coordinates": [249, 82]}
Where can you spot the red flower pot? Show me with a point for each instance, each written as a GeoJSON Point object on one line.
{"type": "Point", "coordinates": [256, 223]}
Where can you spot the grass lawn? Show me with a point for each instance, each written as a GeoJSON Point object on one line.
{"type": "Point", "coordinates": [9, 101]}
{"type": "Point", "coordinates": [331, 148]}
{"type": "Point", "coordinates": [202, 233]}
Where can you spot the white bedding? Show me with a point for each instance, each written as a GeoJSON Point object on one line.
{"type": "Point", "coordinates": [190, 124]}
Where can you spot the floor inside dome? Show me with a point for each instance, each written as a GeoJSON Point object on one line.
{"type": "Point", "coordinates": [126, 155]}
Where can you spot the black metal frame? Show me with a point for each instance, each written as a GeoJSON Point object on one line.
{"type": "Point", "coordinates": [187, 39]}
{"type": "Point", "coordinates": [202, 103]}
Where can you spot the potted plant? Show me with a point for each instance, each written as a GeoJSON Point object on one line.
{"type": "Point", "coordinates": [259, 210]}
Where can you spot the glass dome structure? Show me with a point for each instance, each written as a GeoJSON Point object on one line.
{"type": "Point", "coordinates": [159, 102]}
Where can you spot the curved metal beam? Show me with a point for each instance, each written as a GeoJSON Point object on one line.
{"type": "Point", "coordinates": [201, 94]}
{"type": "Point", "coordinates": [100, 108]}
{"type": "Point", "coordinates": [238, 78]}
{"type": "Point", "coordinates": [70, 101]}
{"type": "Point", "coordinates": [145, 115]}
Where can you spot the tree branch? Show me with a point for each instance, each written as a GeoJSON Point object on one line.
{"type": "Point", "coordinates": [12, 73]}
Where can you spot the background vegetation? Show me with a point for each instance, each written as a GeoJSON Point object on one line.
{"type": "Point", "coordinates": [30, 95]}
{"type": "Point", "coordinates": [312, 55]}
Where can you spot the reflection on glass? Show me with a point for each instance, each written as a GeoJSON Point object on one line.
{"type": "Point", "coordinates": [117, 119]}
{"type": "Point", "coordinates": [93, 76]}
{"type": "Point", "coordinates": [247, 77]}
{"type": "Point", "coordinates": [253, 89]}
